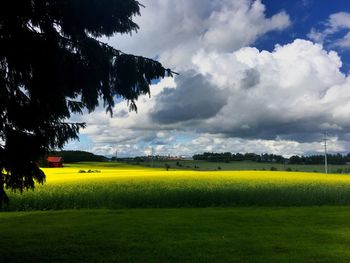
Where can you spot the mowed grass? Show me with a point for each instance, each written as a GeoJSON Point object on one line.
{"type": "Point", "coordinates": [251, 234]}
{"type": "Point", "coordinates": [125, 186]}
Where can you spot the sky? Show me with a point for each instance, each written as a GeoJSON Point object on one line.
{"type": "Point", "coordinates": [260, 76]}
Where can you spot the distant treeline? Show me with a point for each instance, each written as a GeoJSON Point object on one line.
{"type": "Point", "coordinates": [232, 157]}
{"type": "Point", "coordinates": [271, 158]}
{"type": "Point", "coordinates": [319, 159]}
{"type": "Point", "coordinates": [78, 156]}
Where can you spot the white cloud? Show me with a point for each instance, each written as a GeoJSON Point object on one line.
{"type": "Point", "coordinates": [240, 25]}
{"type": "Point", "coordinates": [344, 42]}
{"type": "Point", "coordinates": [336, 23]}
{"type": "Point", "coordinates": [278, 102]}
{"type": "Point", "coordinates": [339, 21]}
{"type": "Point", "coordinates": [173, 30]}
{"type": "Point", "coordinates": [297, 90]}
{"type": "Point", "coordinates": [231, 97]}
{"type": "Point", "coordinates": [210, 142]}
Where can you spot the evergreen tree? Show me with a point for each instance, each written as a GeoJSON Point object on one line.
{"type": "Point", "coordinates": [52, 65]}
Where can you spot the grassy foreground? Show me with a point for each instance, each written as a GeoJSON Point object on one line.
{"type": "Point", "coordinates": [123, 186]}
{"type": "Point", "coordinates": [250, 234]}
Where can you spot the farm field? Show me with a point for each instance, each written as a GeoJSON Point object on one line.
{"type": "Point", "coordinates": [115, 185]}
{"type": "Point", "coordinates": [242, 165]}
{"type": "Point", "coordinates": [114, 212]}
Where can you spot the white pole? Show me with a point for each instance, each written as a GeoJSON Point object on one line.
{"type": "Point", "coordinates": [325, 153]}
{"type": "Point", "coordinates": [152, 157]}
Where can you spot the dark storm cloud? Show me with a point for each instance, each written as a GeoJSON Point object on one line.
{"type": "Point", "coordinates": [194, 98]}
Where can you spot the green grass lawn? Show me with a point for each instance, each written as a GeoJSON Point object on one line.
{"type": "Point", "coordinates": [304, 234]}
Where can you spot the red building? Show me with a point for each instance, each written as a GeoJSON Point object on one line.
{"type": "Point", "coordinates": [55, 161]}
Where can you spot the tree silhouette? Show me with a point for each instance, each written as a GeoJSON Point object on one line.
{"type": "Point", "coordinates": [52, 65]}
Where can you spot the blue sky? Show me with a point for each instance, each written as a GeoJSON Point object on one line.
{"type": "Point", "coordinates": [255, 76]}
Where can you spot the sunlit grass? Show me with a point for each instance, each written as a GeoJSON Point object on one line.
{"type": "Point", "coordinates": [240, 234]}
{"type": "Point", "coordinates": [120, 186]}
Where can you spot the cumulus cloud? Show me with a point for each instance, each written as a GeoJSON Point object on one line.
{"type": "Point", "coordinates": [280, 101]}
{"type": "Point", "coordinates": [295, 92]}
{"type": "Point", "coordinates": [210, 142]}
{"type": "Point", "coordinates": [336, 23]}
{"type": "Point", "coordinates": [173, 30]}
{"type": "Point", "coordinates": [292, 94]}
{"type": "Point", "coordinates": [229, 96]}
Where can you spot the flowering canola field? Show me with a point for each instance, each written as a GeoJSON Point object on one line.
{"type": "Point", "coordinates": [111, 185]}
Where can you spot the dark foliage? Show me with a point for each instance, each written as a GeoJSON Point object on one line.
{"type": "Point", "coordinates": [51, 66]}
{"type": "Point", "coordinates": [272, 158]}
{"type": "Point", "coordinates": [319, 159]}
{"type": "Point", "coordinates": [167, 166]}
{"type": "Point", "coordinates": [231, 157]}
{"type": "Point", "coordinates": [74, 157]}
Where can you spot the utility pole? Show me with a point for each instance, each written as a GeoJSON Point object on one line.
{"type": "Point", "coordinates": [325, 153]}
{"type": "Point", "coordinates": [152, 157]}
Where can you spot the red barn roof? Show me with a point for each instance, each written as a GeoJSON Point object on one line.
{"type": "Point", "coordinates": [52, 159]}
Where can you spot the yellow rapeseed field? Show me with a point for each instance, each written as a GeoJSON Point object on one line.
{"type": "Point", "coordinates": [71, 175]}
{"type": "Point", "coordinates": [118, 186]}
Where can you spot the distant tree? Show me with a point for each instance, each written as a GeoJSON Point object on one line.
{"type": "Point", "coordinates": [78, 156]}
{"type": "Point", "coordinates": [52, 65]}
{"type": "Point", "coordinates": [139, 159]}
{"type": "Point", "coordinates": [319, 159]}
{"type": "Point", "coordinates": [228, 157]}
